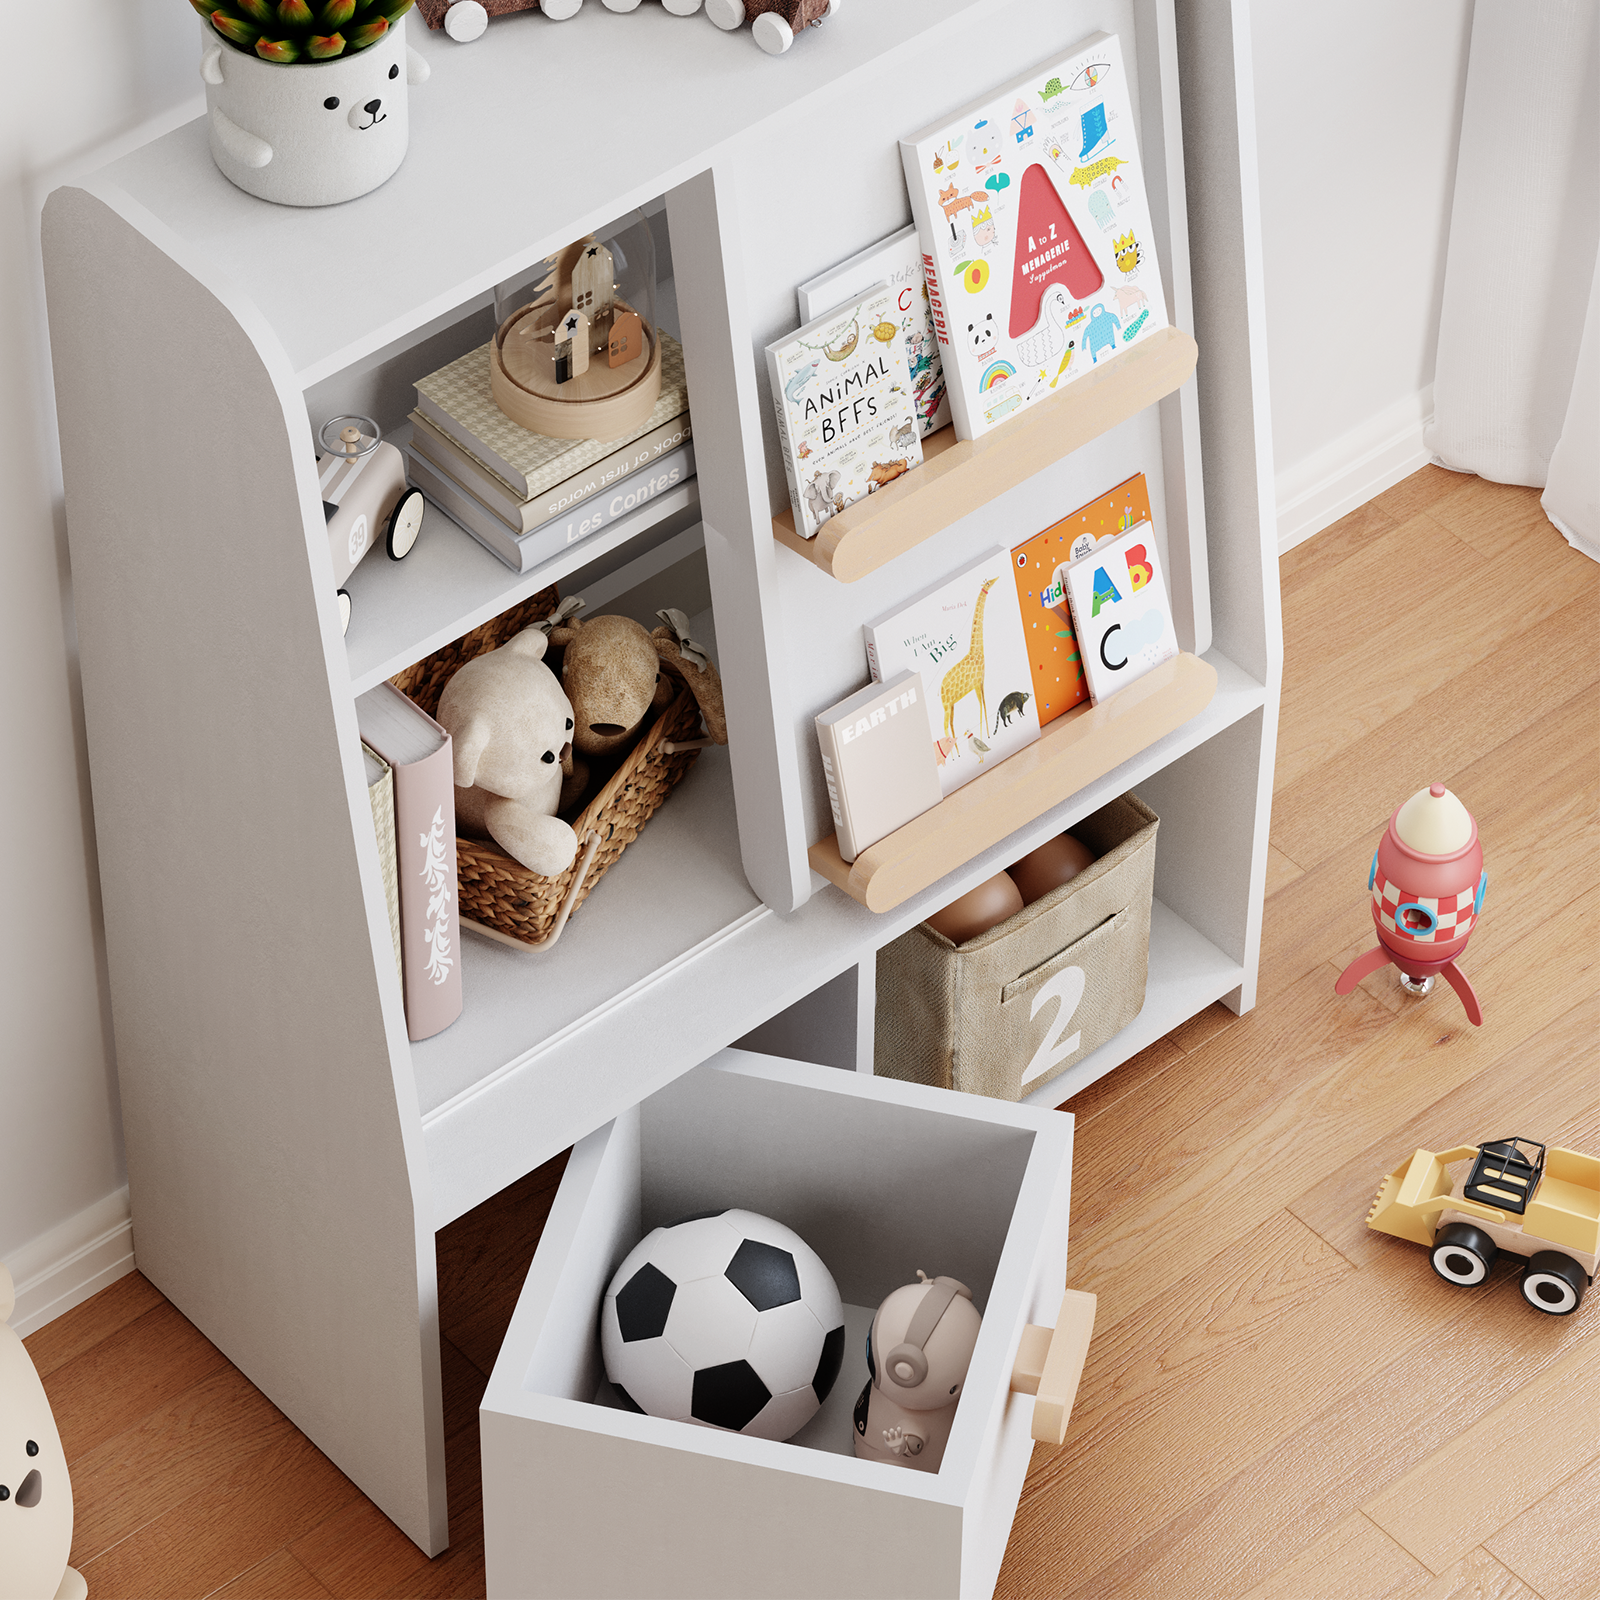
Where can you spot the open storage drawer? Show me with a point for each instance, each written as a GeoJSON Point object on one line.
{"type": "Point", "coordinates": [581, 1497]}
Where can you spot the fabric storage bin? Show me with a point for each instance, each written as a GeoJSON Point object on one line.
{"type": "Point", "coordinates": [978, 1016]}
{"type": "Point", "coordinates": [584, 1498]}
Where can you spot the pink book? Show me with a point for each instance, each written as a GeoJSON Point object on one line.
{"type": "Point", "coordinates": [418, 750]}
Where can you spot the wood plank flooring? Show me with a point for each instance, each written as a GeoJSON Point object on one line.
{"type": "Point", "coordinates": [1278, 1403]}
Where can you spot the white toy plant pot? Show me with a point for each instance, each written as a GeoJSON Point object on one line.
{"type": "Point", "coordinates": [309, 133]}
{"type": "Point", "coordinates": [36, 1513]}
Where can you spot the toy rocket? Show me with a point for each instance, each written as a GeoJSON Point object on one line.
{"type": "Point", "coordinates": [1427, 884]}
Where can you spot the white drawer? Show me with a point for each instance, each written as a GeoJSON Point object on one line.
{"type": "Point", "coordinates": [583, 1498]}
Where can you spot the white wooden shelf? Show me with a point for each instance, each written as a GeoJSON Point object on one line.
{"type": "Point", "coordinates": [404, 610]}
{"type": "Point", "coordinates": [267, 1084]}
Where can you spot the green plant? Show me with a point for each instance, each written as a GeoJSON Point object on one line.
{"type": "Point", "coordinates": [286, 31]}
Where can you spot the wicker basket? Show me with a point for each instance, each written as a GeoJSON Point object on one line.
{"type": "Point", "coordinates": [501, 893]}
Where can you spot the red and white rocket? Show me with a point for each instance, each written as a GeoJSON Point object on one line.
{"type": "Point", "coordinates": [1427, 884]}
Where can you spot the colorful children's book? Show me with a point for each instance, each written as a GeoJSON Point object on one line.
{"type": "Point", "coordinates": [1120, 610]}
{"type": "Point", "coordinates": [1053, 658]}
{"type": "Point", "coordinates": [1035, 232]}
{"type": "Point", "coordinates": [965, 637]}
{"type": "Point", "coordinates": [842, 394]}
{"type": "Point", "coordinates": [896, 261]}
{"type": "Point", "coordinates": [877, 761]}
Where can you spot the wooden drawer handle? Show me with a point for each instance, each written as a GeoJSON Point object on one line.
{"type": "Point", "coordinates": [1050, 1364]}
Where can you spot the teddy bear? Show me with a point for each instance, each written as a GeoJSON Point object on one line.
{"type": "Point", "coordinates": [35, 1492]}
{"type": "Point", "coordinates": [511, 726]}
{"type": "Point", "coordinates": [615, 674]}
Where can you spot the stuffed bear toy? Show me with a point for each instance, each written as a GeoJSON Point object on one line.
{"type": "Point", "coordinates": [512, 726]}
{"type": "Point", "coordinates": [611, 670]}
{"type": "Point", "coordinates": [35, 1492]}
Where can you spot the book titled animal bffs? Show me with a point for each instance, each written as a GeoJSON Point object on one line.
{"type": "Point", "coordinates": [1035, 231]}
{"type": "Point", "coordinates": [842, 393]}
{"type": "Point", "coordinates": [965, 638]}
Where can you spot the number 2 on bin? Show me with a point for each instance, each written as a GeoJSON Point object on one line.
{"type": "Point", "coordinates": [1066, 987]}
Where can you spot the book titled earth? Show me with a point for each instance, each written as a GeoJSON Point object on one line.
{"type": "Point", "coordinates": [842, 394]}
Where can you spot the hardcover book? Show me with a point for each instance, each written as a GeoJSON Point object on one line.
{"type": "Point", "coordinates": [380, 793]}
{"type": "Point", "coordinates": [464, 470]}
{"type": "Point", "coordinates": [522, 552]}
{"type": "Point", "coordinates": [1053, 656]}
{"type": "Point", "coordinates": [877, 761]}
{"type": "Point", "coordinates": [1120, 610]}
{"type": "Point", "coordinates": [896, 261]}
{"type": "Point", "coordinates": [456, 399]}
{"type": "Point", "coordinates": [419, 752]}
{"type": "Point", "coordinates": [965, 637]}
{"type": "Point", "coordinates": [842, 394]}
{"type": "Point", "coordinates": [1035, 229]}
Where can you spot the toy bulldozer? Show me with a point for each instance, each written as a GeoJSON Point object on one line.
{"type": "Point", "coordinates": [1520, 1197]}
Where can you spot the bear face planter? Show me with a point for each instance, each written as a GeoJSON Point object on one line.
{"type": "Point", "coordinates": [310, 133]}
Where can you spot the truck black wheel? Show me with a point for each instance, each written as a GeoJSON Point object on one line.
{"type": "Point", "coordinates": [1462, 1254]}
{"type": "Point", "coordinates": [1553, 1283]}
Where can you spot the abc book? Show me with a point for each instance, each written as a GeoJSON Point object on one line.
{"type": "Point", "coordinates": [1035, 230]}
{"type": "Point", "coordinates": [842, 394]}
{"type": "Point", "coordinates": [1119, 610]}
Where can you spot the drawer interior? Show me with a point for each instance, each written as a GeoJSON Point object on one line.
{"type": "Point", "coordinates": [878, 1182]}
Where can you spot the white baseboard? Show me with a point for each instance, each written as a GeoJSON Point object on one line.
{"type": "Point", "coordinates": [1347, 473]}
{"type": "Point", "coordinates": [62, 1268]}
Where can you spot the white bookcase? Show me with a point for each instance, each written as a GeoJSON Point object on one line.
{"type": "Point", "coordinates": [290, 1153]}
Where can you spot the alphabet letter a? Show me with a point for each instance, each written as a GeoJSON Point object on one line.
{"type": "Point", "coordinates": [1105, 592]}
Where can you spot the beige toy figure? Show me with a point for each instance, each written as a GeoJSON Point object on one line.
{"type": "Point", "coordinates": [511, 726]}
{"type": "Point", "coordinates": [612, 672]}
{"type": "Point", "coordinates": [918, 1353]}
{"type": "Point", "coordinates": [35, 1492]}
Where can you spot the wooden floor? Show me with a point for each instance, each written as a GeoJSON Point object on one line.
{"type": "Point", "coordinates": [1277, 1402]}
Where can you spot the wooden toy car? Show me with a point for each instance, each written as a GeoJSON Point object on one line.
{"type": "Point", "coordinates": [1517, 1196]}
{"type": "Point", "coordinates": [363, 484]}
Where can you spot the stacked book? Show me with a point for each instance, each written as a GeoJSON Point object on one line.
{"type": "Point", "coordinates": [527, 497]}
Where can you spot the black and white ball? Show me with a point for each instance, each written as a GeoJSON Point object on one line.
{"type": "Point", "coordinates": [728, 1319]}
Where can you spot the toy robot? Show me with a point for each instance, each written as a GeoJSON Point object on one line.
{"type": "Point", "coordinates": [363, 483]}
{"type": "Point", "coordinates": [918, 1352]}
{"type": "Point", "coordinates": [1427, 884]}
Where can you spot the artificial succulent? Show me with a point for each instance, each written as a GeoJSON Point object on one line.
{"type": "Point", "coordinates": [286, 31]}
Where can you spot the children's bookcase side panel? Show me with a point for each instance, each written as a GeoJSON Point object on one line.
{"type": "Point", "coordinates": [1224, 206]}
{"type": "Point", "coordinates": [704, 225]}
{"type": "Point", "coordinates": [275, 1155]}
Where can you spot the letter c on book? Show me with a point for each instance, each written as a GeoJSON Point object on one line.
{"type": "Point", "coordinates": [1111, 666]}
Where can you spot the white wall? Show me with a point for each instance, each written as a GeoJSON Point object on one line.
{"type": "Point", "coordinates": [117, 64]}
{"type": "Point", "coordinates": [1358, 108]}
{"type": "Point", "coordinates": [1358, 112]}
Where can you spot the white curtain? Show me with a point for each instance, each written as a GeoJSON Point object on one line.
{"type": "Point", "coordinates": [1514, 399]}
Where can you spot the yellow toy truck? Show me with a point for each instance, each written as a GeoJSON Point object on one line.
{"type": "Point", "coordinates": [1544, 1205]}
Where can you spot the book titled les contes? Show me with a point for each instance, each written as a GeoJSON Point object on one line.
{"type": "Point", "coordinates": [877, 760]}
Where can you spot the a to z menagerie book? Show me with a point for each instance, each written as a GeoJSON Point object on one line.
{"type": "Point", "coordinates": [965, 637]}
{"type": "Point", "coordinates": [1036, 239]}
{"type": "Point", "coordinates": [842, 396]}
{"type": "Point", "coordinates": [1053, 655]}
{"type": "Point", "coordinates": [877, 761]}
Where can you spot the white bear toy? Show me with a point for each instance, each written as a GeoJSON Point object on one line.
{"type": "Point", "coordinates": [35, 1492]}
{"type": "Point", "coordinates": [311, 133]}
{"type": "Point", "coordinates": [510, 724]}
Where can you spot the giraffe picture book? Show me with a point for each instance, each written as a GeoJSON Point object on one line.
{"type": "Point", "coordinates": [842, 394]}
{"type": "Point", "coordinates": [965, 637]}
{"type": "Point", "coordinates": [1036, 238]}
{"type": "Point", "coordinates": [1053, 655]}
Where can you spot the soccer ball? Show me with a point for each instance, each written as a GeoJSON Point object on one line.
{"type": "Point", "coordinates": [727, 1319]}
